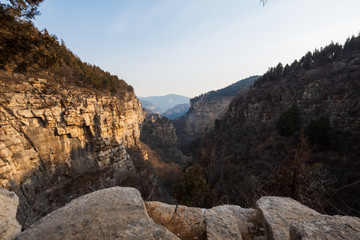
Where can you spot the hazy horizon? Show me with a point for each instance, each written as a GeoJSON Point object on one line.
{"type": "Point", "coordinates": [189, 47]}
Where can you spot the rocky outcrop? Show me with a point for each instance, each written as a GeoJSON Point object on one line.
{"type": "Point", "coordinates": [184, 222]}
{"type": "Point", "coordinates": [335, 227]}
{"type": "Point", "coordinates": [159, 129]}
{"type": "Point", "coordinates": [229, 222]}
{"type": "Point", "coordinates": [278, 212]}
{"type": "Point", "coordinates": [285, 218]}
{"type": "Point", "coordinates": [221, 222]}
{"type": "Point", "coordinates": [113, 213]}
{"type": "Point", "coordinates": [59, 142]}
{"type": "Point", "coordinates": [9, 226]}
{"type": "Point", "coordinates": [120, 213]}
{"type": "Point", "coordinates": [202, 115]}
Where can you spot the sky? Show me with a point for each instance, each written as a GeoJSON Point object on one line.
{"type": "Point", "coordinates": [189, 47]}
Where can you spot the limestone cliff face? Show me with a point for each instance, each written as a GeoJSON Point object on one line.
{"type": "Point", "coordinates": [206, 108]}
{"type": "Point", "coordinates": [160, 128]}
{"type": "Point", "coordinates": [58, 143]}
{"type": "Point", "coordinates": [203, 113]}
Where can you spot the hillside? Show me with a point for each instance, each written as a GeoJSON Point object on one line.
{"type": "Point", "coordinates": [24, 49]}
{"type": "Point", "coordinates": [258, 147]}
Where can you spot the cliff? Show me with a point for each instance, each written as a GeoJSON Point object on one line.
{"type": "Point", "coordinates": [59, 141]}
{"type": "Point", "coordinates": [295, 133]}
{"type": "Point", "coordinates": [206, 108]}
{"type": "Point", "coordinates": [159, 140]}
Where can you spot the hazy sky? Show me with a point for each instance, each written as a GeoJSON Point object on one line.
{"type": "Point", "coordinates": [189, 47]}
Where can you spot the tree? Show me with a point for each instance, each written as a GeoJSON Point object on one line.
{"type": "Point", "coordinates": [20, 9]}
{"type": "Point", "coordinates": [193, 189]}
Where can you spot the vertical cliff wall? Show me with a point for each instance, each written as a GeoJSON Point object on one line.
{"type": "Point", "coordinates": [205, 109]}
{"type": "Point", "coordinates": [57, 143]}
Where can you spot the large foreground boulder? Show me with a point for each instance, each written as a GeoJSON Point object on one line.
{"type": "Point", "coordinates": [285, 218]}
{"type": "Point", "coordinates": [9, 226]}
{"type": "Point", "coordinates": [185, 222]}
{"type": "Point", "coordinates": [229, 222]}
{"type": "Point", "coordinates": [278, 212]}
{"type": "Point", "coordinates": [113, 213]}
{"type": "Point", "coordinates": [329, 227]}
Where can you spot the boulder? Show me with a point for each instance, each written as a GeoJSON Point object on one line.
{"type": "Point", "coordinates": [185, 222]}
{"type": "Point", "coordinates": [278, 213]}
{"type": "Point", "coordinates": [335, 227]}
{"type": "Point", "coordinates": [9, 226]}
{"type": "Point", "coordinates": [113, 213]}
{"type": "Point", "coordinates": [228, 222]}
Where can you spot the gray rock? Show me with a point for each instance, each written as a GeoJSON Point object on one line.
{"type": "Point", "coordinates": [9, 226]}
{"type": "Point", "coordinates": [185, 222]}
{"type": "Point", "coordinates": [113, 213]}
{"type": "Point", "coordinates": [228, 222]}
{"type": "Point", "coordinates": [279, 212]}
{"type": "Point", "coordinates": [336, 227]}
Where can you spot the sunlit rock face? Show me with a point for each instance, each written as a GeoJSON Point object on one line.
{"type": "Point", "coordinates": [59, 142]}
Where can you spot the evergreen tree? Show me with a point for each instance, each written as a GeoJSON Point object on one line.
{"type": "Point", "coordinates": [20, 9]}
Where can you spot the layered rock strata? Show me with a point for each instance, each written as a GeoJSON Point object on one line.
{"type": "Point", "coordinates": [58, 143]}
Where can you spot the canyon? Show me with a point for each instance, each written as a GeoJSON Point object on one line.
{"type": "Point", "coordinates": [81, 158]}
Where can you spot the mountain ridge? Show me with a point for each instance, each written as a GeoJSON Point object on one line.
{"type": "Point", "coordinates": [160, 104]}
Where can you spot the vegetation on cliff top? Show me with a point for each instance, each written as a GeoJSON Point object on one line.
{"type": "Point", "coordinates": [228, 91]}
{"type": "Point", "coordinates": [25, 49]}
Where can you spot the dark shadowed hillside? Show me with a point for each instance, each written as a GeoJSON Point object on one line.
{"type": "Point", "coordinates": [259, 148]}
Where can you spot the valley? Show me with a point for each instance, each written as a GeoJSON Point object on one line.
{"type": "Point", "coordinates": [271, 156]}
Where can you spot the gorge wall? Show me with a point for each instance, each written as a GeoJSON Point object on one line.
{"type": "Point", "coordinates": [206, 108]}
{"type": "Point", "coordinates": [58, 142]}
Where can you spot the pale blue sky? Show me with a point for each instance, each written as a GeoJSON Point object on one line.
{"type": "Point", "coordinates": [189, 47]}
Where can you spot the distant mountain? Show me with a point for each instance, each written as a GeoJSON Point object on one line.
{"type": "Point", "coordinates": [177, 111]}
{"type": "Point", "coordinates": [150, 107]}
{"type": "Point", "coordinates": [160, 104]}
